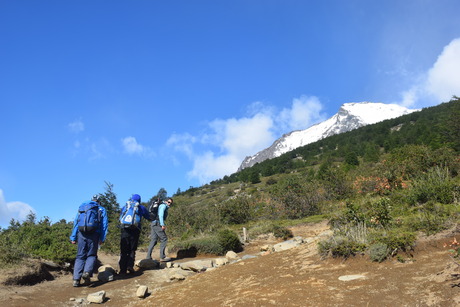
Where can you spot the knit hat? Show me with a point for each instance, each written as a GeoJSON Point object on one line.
{"type": "Point", "coordinates": [136, 197]}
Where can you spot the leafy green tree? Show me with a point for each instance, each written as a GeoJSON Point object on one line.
{"type": "Point", "coordinates": [254, 177]}
{"type": "Point", "coordinates": [109, 201]}
{"type": "Point", "coordinates": [371, 153]}
{"type": "Point", "coordinates": [162, 194]}
{"type": "Point", "coordinates": [351, 158]}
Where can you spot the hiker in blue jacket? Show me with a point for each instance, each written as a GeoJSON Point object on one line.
{"type": "Point", "coordinates": [88, 237]}
{"type": "Point", "coordinates": [130, 220]}
{"type": "Point", "coordinates": [158, 230]}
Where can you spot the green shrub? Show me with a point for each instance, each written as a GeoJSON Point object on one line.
{"type": "Point", "coordinates": [295, 197]}
{"type": "Point", "coordinates": [236, 211]}
{"type": "Point", "coordinates": [395, 240]}
{"type": "Point", "coordinates": [10, 254]}
{"type": "Point", "coordinates": [379, 213]}
{"type": "Point", "coordinates": [340, 246]}
{"type": "Point", "coordinates": [200, 246]}
{"type": "Point", "coordinates": [266, 227]}
{"type": "Point", "coordinates": [435, 185]}
{"type": "Point", "coordinates": [218, 244]}
{"type": "Point", "coordinates": [378, 252]}
{"type": "Point", "coordinates": [282, 232]}
{"type": "Point", "coordinates": [429, 217]}
{"type": "Point", "coordinates": [41, 240]}
{"type": "Point", "coordinates": [228, 241]}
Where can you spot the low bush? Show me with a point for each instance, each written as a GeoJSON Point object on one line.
{"type": "Point", "coordinates": [267, 227]}
{"type": "Point", "coordinates": [282, 232]}
{"type": "Point", "coordinates": [236, 211]}
{"type": "Point", "coordinates": [429, 218]}
{"type": "Point", "coordinates": [340, 246]}
{"type": "Point", "coordinates": [436, 185]}
{"type": "Point", "coordinates": [396, 240]}
{"type": "Point", "coordinates": [39, 240]}
{"type": "Point", "coordinates": [378, 252]}
{"type": "Point", "coordinates": [217, 244]}
{"type": "Point", "coordinates": [228, 241]}
{"type": "Point", "coordinates": [199, 246]}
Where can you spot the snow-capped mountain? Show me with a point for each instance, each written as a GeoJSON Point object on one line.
{"type": "Point", "coordinates": [350, 116]}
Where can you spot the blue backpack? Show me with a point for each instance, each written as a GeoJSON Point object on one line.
{"type": "Point", "coordinates": [89, 218]}
{"type": "Point", "coordinates": [130, 217]}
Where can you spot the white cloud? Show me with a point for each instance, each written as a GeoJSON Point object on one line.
{"type": "Point", "coordinates": [221, 149]}
{"type": "Point", "coordinates": [240, 136]}
{"type": "Point", "coordinates": [182, 143]}
{"type": "Point", "coordinates": [208, 167]}
{"type": "Point", "coordinates": [444, 77]}
{"type": "Point", "coordinates": [439, 83]}
{"type": "Point", "coordinates": [132, 147]}
{"type": "Point", "coordinates": [13, 210]}
{"type": "Point", "coordinates": [305, 112]}
{"type": "Point", "coordinates": [76, 126]}
{"type": "Point", "coordinates": [409, 97]}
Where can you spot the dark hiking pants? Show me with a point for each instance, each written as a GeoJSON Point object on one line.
{"type": "Point", "coordinates": [128, 246]}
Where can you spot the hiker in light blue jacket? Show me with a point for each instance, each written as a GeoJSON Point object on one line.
{"type": "Point", "coordinates": [158, 228]}
{"type": "Point", "coordinates": [88, 238]}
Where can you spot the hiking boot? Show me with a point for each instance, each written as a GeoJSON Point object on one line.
{"type": "Point", "coordinates": [76, 283]}
{"type": "Point", "coordinates": [165, 259]}
{"type": "Point", "coordinates": [131, 271]}
{"type": "Point", "coordinates": [122, 272]}
{"type": "Point", "coordinates": [86, 278]}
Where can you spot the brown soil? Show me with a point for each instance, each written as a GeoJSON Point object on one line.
{"type": "Point", "coordinates": [296, 277]}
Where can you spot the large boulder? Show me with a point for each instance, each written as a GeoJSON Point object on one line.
{"type": "Point", "coordinates": [142, 291]}
{"type": "Point", "coordinates": [97, 297]}
{"type": "Point", "coordinates": [105, 273]}
{"type": "Point", "coordinates": [148, 264]}
{"type": "Point", "coordinates": [197, 265]}
{"type": "Point", "coordinates": [231, 255]}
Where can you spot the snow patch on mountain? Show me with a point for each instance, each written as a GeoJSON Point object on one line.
{"type": "Point", "coordinates": [349, 117]}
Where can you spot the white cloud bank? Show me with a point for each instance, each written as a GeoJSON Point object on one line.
{"type": "Point", "coordinates": [234, 139]}
{"type": "Point", "coordinates": [444, 77]}
{"type": "Point", "coordinates": [13, 210]}
{"type": "Point", "coordinates": [440, 82]}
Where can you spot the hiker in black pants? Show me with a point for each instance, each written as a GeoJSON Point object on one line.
{"type": "Point", "coordinates": [130, 219]}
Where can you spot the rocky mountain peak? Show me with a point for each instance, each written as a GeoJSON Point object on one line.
{"type": "Point", "coordinates": [349, 117]}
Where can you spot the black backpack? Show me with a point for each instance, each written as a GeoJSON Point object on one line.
{"type": "Point", "coordinates": [153, 209]}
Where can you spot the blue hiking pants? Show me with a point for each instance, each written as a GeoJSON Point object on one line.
{"type": "Point", "coordinates": [157, 233]}
{"type": "Point", "coordinates": [87, 245]}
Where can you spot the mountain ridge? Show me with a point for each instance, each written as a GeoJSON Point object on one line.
{"type": "Point", "coordinates": [350, 116]}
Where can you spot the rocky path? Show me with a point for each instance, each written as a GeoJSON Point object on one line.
{"type": "Point", "coordinates": [293, 277]}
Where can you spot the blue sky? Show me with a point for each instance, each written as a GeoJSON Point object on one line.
{"type": "Point", "coordinates": [173, 94]}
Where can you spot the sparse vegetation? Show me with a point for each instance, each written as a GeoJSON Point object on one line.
{"type": "Point", "coordinates": [378, 186]}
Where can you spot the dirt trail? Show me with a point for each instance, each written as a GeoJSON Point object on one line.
{"type": "Point", "coordinates": [296, 277]}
